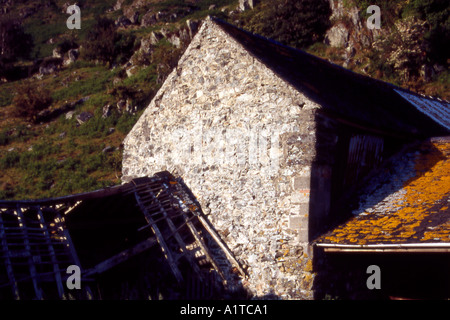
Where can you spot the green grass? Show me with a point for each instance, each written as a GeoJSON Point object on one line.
{"type": "Point", "coordinates": [6, 94]}
{"type": "Point", "coordinates": [93, 80]}
{"type": "Point", "coordinates": [54, 167]}
{"type": "Point", "coordinates": [44, 25]}
{"type": "Point", "coordinates": [46, 163]}
{"type": "Point", "coordinates": [20, 133]}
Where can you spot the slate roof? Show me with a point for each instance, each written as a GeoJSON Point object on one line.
{"type": "Point", "coordinates": [343, 93]}
{"type": "Point", "coordinates": [436, 109]}
{"type": "Point", "coordinates": [406, 202]}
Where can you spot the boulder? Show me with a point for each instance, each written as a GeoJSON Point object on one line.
{"type": "Point", "coordinates": [130, 107]}
{"type": "Point", "coordinates": [155, 37]}
{"type": "Point", "coordinates": [121, 105]}
{"type": "Point", "coordinates": [72, 56]}
{"type": "Point", "coordinates": [57, 52]}
{"type": "Point", "coordinates": [147, 45]}
{"type": "Point", "coordinates": [131, 71]}
{"type": "Point", "coordinates": [175, 40]}
{"type": "Point", "coordinates": [337, 36]}
{"type": "Point", "coordinates": [184, 35]}
{"type": "Point", "coordinates": [69, 115]}
{"type": "Point", "coordinates": [107, 111]}
{"type": "Point", "coordinates": [50, 65]}
{"type": "Point", "coordinates": [84, 117]}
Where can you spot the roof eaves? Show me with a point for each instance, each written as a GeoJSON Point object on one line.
{"type": "Point", "coordinates": [436, 109]}
{"type": "Point", "coordinates": [386, 248]}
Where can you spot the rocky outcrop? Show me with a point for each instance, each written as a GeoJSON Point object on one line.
{"type": "Point", "coordinates": [349, 30]}
{"type": "Point", "coordinates": [50, 65]}
{"type": "Point", "coordinates": [132, 14]}
{"type": "Point", "coordinates": [179, 38]}
{"type": "Point", "coordinates": [148, 19]}
{"type": "Point", "coordinates": [155, 37]}
{"type": "Point", "coordinates": [118, 5]}
{"type": "Point", "coordinates": [107, 110]}
{"type": "Point", "coordinates": [247, 4]}
{"type": "Point", "coordinates": [338, 36]}
{"type": "Point", "coordinates": [57, 52]}
{"type": "Point", "coordinates": [71, 56]}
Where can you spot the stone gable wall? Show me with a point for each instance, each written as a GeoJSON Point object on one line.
{"type": "Point", "coordinates": [243, 141]}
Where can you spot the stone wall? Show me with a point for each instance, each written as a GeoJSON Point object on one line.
{"type": "Point", "coordinates": [243, 141]}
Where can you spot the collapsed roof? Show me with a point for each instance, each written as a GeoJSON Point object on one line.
{"type": "Point", "coordinates": [102, 230]}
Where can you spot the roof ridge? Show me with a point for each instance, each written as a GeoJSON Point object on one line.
{"type": "Point", "coordinates": [361, 98]}
{"type": "Point", "coordinates": [332, 64]}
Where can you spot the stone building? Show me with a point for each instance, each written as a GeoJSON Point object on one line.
{"type": "Point", "coordinates": [273, 142]}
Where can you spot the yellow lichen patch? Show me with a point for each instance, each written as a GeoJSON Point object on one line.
{"type": "Point", "coordinates": [413, 210]}
{"type": "Point", "coordinates": [440, 233]}
{"type": "Point", "coordinates": [308, 266]}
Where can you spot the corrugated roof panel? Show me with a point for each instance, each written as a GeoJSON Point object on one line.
{"type": "Point", "coordinates": [437, 110]}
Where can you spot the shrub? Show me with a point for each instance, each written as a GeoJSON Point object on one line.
{"type": "Point", "coordinates": [295, 23]}
{"type": "Point", "coordinates": [437, 15]}
{"type": "Point", "coordinates": [100, 41]}
{"type": "Point", "coordinates": [4, 138]}
{"type": "Point", "coordinates": [127, 121]}
{"type": "Point", "coordinates": [14, 42]}
{"type": "Point", "coordinates": [5, 95]}
{"type": "Point", "coordinates": [166, 57]}
{"type": "Point", "coordinates": [66, 45]}
{"type": "Point", "coordinates": [124, 47]}
{"type": "Point", "coordinates": [105, 44]}
{"type": "Point", "coordinates": [29, 99]}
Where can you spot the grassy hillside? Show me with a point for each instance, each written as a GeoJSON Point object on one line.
{"type": "Point", "coordinates": [51, 153]}
{"type": "Point", "coordinates": [59, 156]}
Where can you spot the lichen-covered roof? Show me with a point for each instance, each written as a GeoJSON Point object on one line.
{"type": "Point", "coordinates": [408, 202]}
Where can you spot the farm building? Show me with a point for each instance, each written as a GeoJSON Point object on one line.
{"type": "Point", "coordinates": [257, 170]}
{"type": "Point", "coordinates": [276, 143]}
